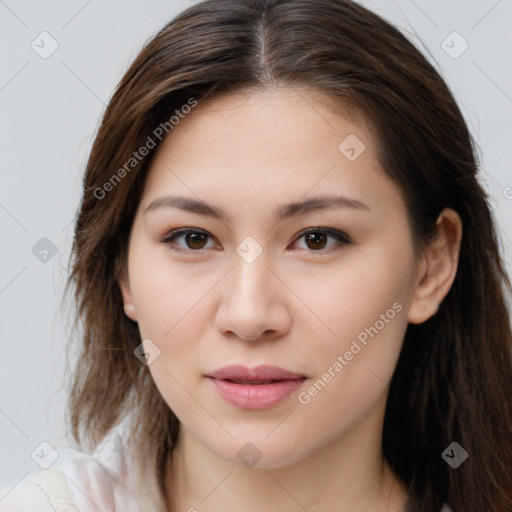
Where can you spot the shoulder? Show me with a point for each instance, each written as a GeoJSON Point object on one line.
{"type": "Point", "coordinates": [46, 491]}
{"type": "Point", "coordinates": [77, 482]}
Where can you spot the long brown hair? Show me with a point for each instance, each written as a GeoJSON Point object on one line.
{"type": "Point", "coordinates": [453, 380]}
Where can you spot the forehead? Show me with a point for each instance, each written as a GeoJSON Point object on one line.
{"type": "Point", "coordinates": [283, 114]}
{"type": "Point", "coordinates": [264, 143]}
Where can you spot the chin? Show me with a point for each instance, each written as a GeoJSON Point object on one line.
{"type": "Point", "coordinates": [256, 452]}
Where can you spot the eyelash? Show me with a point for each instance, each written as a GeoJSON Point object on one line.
{"type": "Point", "coordinates": [341, 238]}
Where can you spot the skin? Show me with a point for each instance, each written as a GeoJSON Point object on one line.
{"type": "Point", "coordinates": [296, 306]}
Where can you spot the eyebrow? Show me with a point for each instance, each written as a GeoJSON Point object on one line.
{"type": "Point", "coordinates": [282, 212]}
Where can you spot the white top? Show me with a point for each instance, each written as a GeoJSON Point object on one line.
{"type": "Point", "coordinates": [78, 482]}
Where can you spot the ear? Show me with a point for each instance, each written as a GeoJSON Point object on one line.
{"type": "Point", "coordinates": [437, 270]}
{"type": "Point", "coordinates": [126, 292]}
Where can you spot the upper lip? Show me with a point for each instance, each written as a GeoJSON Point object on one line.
{"type": "Point", "coordinates": [263, 372]}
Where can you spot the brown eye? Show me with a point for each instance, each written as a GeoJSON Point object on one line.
{"type": "Point", "coordinates": [316, 240]}
{"type": "Point", "coordinates": [188, 239]}
{"type": "Point", "coordinates": [321, 239]}
{"type": "Point", "coordinates": [196, 240]}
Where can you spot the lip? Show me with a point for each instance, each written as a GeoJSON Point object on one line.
{"type": "Point", "coordinates": [258, 388]}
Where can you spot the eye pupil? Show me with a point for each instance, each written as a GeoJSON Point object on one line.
{"type": "Point", "coordinates": [317, 239]}
{"type": "Point", "coordinates": [196, 240]}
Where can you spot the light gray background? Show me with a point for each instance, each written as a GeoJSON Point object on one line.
{"type": "Point", "coordinates": [49, 112]}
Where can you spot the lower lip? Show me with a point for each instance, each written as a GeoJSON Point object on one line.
{"type": "Point", "coordinates": [256, 396]}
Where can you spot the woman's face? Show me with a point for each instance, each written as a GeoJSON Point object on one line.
{"type": "Point", "coordinates": [274, 317]}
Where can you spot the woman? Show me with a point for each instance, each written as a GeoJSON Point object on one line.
{"type": "Point", "coordinates": [288, 279]}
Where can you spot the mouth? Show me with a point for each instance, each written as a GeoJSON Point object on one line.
{"type": "Point", "coordinates": [258, 388]}
{"type": "Point", "coordinates": [260, 374]}
{"type": "Point", "coordinates": [253, 382]}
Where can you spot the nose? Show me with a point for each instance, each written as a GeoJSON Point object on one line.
{"type": "Point", "coordinates": [253, 303]}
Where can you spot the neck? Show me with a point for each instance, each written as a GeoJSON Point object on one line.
{"type": "Point", "coordinates": [349, 474]}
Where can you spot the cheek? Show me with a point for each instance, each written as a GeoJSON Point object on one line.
{"type": "Point", "coordinates": [174, 310]}
{"type": "Point", "coordinates": [354, 364]}
{"type": "Point", "coordinates": [365, 286]}
{"type": "Point", "coordinates": [364, 305]}
{"type": "Point", "coordinates": [172, 313]}
{"type": "Point", "coordinates": [167, 297]}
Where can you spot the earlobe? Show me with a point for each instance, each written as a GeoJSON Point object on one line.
{"type": "Point", "coordinates": [126, 293]}
{"type": "Point", "coordinates": [438, 268]}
